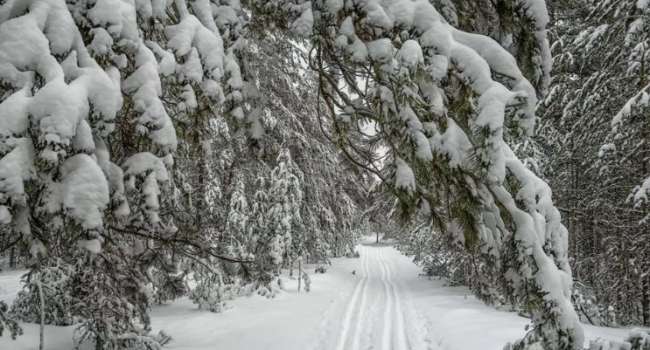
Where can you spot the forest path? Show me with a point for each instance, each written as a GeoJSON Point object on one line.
{"type": "Point", "coordinates": [378, 313]}
{"type": "Point", "coordinates": [385, 305]}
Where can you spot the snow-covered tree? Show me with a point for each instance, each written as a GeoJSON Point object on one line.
{"type": "Point", "coordinates": [54, 280]}
{"type": "Point", "coordinates": [60, 102]}
{"type": "Point", "coordinates": [238, 218]}
{"type": "Point", "coordinates": [448, 105]}
{"type": "Point", "coordinates": [99, 94]}
{"type": "Point", "coordinates": [286, 241]}
{"type": "Point", "coordinates": [594, 123]}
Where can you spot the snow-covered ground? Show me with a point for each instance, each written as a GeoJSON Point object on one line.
{"type": "Point", "coordinates": [384, 304]}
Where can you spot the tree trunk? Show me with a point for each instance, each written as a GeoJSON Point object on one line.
{"type": "Point", "coordinates": [645, 301]}
{"type": "Point", "coordinates": [41, 344]}
{"type": "Point", "coordinates": [299, 273]}
{"type": "Point", "coordinates": [12, 258]}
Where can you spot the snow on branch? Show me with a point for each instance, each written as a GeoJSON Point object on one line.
{"type": "Point", "coordinates": [395, 63]}
{"type": "Point", "coordinates": [52, 111]}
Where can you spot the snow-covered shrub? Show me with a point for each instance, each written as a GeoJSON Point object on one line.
{"type": "Point", "coordinates": [600, 344]}
{"type": "Point", "coordinates": [7, 323]}
{"type": "Point", "coordinates": [270, 289]}
{"type": "Point", "coordinates": [307, 281]}
{"type": "Point", "coordinates": [213, 288]}
{"type": "Point", "coordinates": [167, 281]}
{"type": "Point", "coordinates": [639, 339]}
{"type": "Point", "coordinates": [210, 292]}
{"type": "Point", "coordinates": [118, 316]}
{"type": "Point", "coordinates": [353, 254]}
{"type": "Point", "coordinates": [169, 287]}
{"type": "Point", "coordinates": [53, 280]}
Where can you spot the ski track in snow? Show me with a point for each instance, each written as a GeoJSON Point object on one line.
{"type": "Point", "coordinates": [352, 304]}
{"type": "Point", "coordinates": [399, 328]}
{"type": "Point", "coordinates": [387, 333]}
{"type": "Point", "coordinates": [356, 340]}
{"type": "Point", "coordinates": [378, 314]}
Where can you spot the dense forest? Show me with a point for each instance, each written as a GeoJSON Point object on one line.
{"type": "Point", "coordinates": [591, 146]}
{"type": "Point", "coordinates": [157, 149]}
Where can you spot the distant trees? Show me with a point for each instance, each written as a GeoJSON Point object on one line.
{"type": "Point", "coordinates": [595, 130]}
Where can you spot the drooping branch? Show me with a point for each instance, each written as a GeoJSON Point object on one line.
{"type": "Point", "coordinates": [175, 240]}
{"type": "Point", "coordinates": [414, 58]}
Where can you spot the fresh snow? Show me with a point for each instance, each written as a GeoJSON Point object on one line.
{"type": "Point", "coordinates": [404, 177]}
{"type": "Point", "coordinates": [384, 304]}
{"type": "Point", "coordinates": [85, 191]}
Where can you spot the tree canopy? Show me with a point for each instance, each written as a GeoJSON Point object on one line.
{"type": "Point", "coordinates": [144, 142]}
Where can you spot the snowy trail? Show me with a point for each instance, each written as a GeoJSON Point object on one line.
{"type": "Point", "coordinates": [378, 314]}
{"type": "Point", "coordinates": [394, 322]}
{"type": "Point", "coordinates": [384, 305]}
{"type": "Point", "coordinates": [353, 303]}
{"type": "Point", "coordinates": [358, 332]}
{"type": "Point", "coordinates": [391, 307]}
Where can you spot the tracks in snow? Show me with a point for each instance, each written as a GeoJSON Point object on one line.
{"type": "Point", "coordinates": [360, 289]}
{"type": "Point", "coordinates": [375, 316]}
{"type": "Point", "coordinates": [394, 328]}
{"type": "Point", "coordinates": [361, 315]}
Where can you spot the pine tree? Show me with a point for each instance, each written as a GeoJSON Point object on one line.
{"type": "Point", "coordinates": [56, 169]}
{"type": "Point", "coordinates": [459, 124]}
{"type": "Point", "coordinates": [593, 123]}
{"type": "Point", "coordinates": [102, 93]}
{"type": "Point", "coordinates": [286, 193]}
